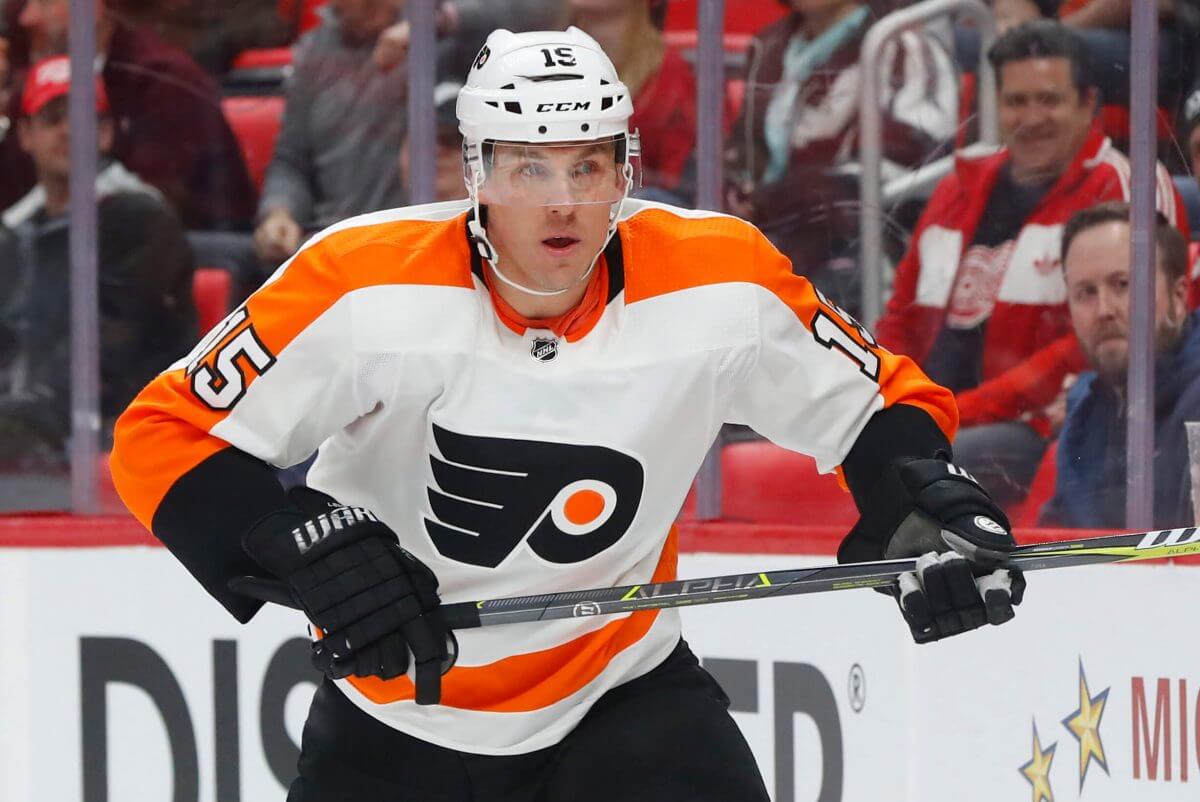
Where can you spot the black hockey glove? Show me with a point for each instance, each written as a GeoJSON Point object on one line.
{"type": "Point", "coordinates": [372, 601]}
{"type": "Point", "coordinates": [936, 511]}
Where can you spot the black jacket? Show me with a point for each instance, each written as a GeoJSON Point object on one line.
{"type": "Point", "coordinates": [147, 317]}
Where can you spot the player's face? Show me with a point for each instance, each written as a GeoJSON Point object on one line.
{"type": "Point", "coordinates": [1043, 118]}
{"type": "Point", "coordinates": [1097, 276]}
{"type": "Point", "coordinates": [548, 210]}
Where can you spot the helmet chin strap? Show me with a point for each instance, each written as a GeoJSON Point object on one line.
{"type": "Point", "coordinates": [489, 254]}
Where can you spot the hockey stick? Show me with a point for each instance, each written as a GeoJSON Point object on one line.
{"type": "Point", "coordinates": [738, 587]}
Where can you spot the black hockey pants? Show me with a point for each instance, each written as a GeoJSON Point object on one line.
{"type": "Point", "coordinates": [664, 737]}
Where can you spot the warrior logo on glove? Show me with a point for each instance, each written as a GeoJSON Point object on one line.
{"type": "Point", "coordinates": [314, 531]}
{"type": "Point", "coordinates": [567, 502]}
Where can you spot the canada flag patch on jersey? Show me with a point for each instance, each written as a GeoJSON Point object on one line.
{"type": "Point", "coordinates": [566, 502]}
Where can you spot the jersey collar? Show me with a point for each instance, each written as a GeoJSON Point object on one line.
{"type": "Point", "coordinates": [606, 283]}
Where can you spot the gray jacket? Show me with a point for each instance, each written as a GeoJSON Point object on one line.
{"type": "Point", "coordinates": [338, 147]}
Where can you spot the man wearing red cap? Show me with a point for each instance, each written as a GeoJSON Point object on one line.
{"type": "Point", "coordinates": [145, 266]}
{"type": "Point", "coordinates": [166, 109]}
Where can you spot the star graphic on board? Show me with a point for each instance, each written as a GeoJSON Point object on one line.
{"type": "Point", "coordinates": [1037, 770]}
{"type": "Point", "coordinates": [1084, 724]}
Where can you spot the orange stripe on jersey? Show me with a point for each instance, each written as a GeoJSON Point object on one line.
{"type": "Point", "coordinates": [532, 681]}
{"type": "Point", "coordinates": [693, 252]}
{"type": "Point", "coordinates": [155, 444]}
{"type": "Point", "coordinates": [163, 433]}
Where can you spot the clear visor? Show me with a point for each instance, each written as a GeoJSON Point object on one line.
{"type": "Point", "coordinates": [558, 174]}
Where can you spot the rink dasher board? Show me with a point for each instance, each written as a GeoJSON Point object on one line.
{"type": "Point", "coordinates": [835, 700]}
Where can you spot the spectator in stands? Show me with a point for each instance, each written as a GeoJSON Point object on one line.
{"type": "Point", "coordinates": [342, 127]}
{"type": "Point", "coordinates": [345, 116]}
{"type": "Point", "coordinates": [1190, 144]}
{"type": "Point", "coordinates": [1105, 24]}
{"type": "Point", "coordinates": [462, 27]}
{"type": "Point", "coordinates": [663, 87]}
{"type": "Point", "coordinates": [448, 171]}
{"type": "Point", "coordinates": [1104, 27]}
{"type": "Point", "coordinates": [1090, 482]}
{"type": "Point", "coordinates": [213, 32]}
{"type": "Point", "coordinates": [1190, 139]}
{"type": "Point", "coordinates": [794, 151]}
{"type": "Point", "coordinates": [5, 62]}
{"type": "Point", "coordinates": [978, 293]}
{"type": "Point", "coordinates": [15, 46]}
{"type": "Point", "coordinates": [166, 111]}
{"type": "Point", "coordinates": [1014, 13]}
{"type": "Point", "coordinates": [147, 319]}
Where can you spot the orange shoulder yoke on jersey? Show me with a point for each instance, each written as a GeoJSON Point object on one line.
{"type": "Point", "coordinates": [535, 680]}
{"type": "Point", "coordinates": [666, 252]}
{"type": "Point", "coordinates": [164, 432]}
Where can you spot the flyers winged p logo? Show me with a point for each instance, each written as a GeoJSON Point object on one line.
{"type": "Point", "coordinates": [567, 502]}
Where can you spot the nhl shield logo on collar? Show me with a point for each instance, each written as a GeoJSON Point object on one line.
{"type": "Point", "coordinates": [543, 349]}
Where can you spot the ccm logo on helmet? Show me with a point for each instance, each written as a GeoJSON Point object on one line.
{"type": "Point", "coordinates": [565, 502]}
{"type": "Point", "coordinates": [570, 105]}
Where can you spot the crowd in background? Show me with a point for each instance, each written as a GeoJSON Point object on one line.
{"type": "Point", "coordinates": [231, 130]}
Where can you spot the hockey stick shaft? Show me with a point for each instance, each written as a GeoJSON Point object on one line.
{"type": "Point", "coordinates": [820, 579]}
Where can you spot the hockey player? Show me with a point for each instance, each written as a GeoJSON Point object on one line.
{"type": "Point", "coordinates": [510, 394]}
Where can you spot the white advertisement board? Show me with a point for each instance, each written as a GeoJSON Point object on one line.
{"type": "Point", "coordinates": [123, 682]}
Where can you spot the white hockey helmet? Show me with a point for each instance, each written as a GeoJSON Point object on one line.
{"type": "Point", "coordinates": [543, 87]}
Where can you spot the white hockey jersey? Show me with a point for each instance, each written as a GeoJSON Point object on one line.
{"type": "Point", "coordinates": [508, 459]}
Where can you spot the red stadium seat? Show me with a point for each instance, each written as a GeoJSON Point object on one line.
{"type": "Point", "coordinates": [735, 95]}
{"type": "Point", "coordinates": [686, 40]}
{"type": "Point", "coordinates": [263, 58]}
{"type": "Point", "coordinates": [211, 290]}
{"type": "Point", "coordinates": [302, 13]}
{"type": "Point", "coordinates": [1115, 121]}
{"type": "Point", "coordinates": [763, 483]}
{"type": "Point", "coordinates": [1041, 490]}
{"type": "Point", "coordinates": [741, 16]}
{"type": "Point", "coordinates": [255, 122]}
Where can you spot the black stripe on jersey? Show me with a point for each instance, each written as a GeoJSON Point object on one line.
{"type": "Point", "coordinates": [901, 430]}
{"type": "Point", "coordinates": [204, 515]}
{"type": "Point", "coordinates": [614, 256]}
